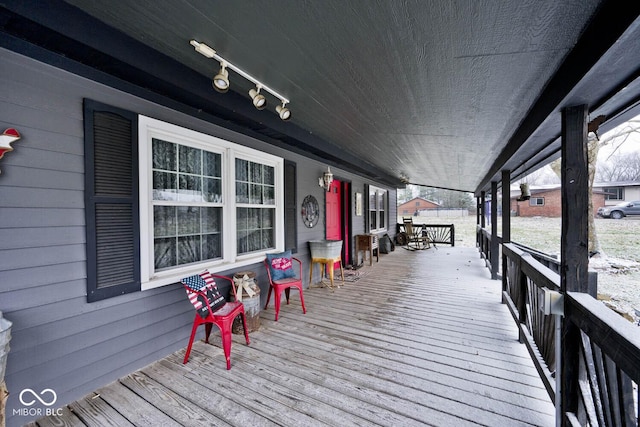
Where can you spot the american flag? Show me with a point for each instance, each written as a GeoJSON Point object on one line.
{"type": "Point", "coordinates": [204, 284]}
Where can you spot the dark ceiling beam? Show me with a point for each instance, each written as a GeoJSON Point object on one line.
{"type": "Point", "coordinates": [73, 40]}
{"type": "Point", "coordinates": [609, 23]}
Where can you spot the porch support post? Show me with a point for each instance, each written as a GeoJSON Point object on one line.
{"type": "Point", "coordinates": [481, 222]}
{"type": "Point", "coordinates": [483, 216]}
{"type": "Point", "coordinates": [506, 221]}
{"type": "Point", "coordinates": [494, 249]}
{"type": "Point", "coordinates": [574, 248]}
{"type": "Point", "coordinates": [478, 213]}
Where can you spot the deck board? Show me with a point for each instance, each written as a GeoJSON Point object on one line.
{"type": "Point", "coordinates": [94, 411]}
{"type": "Point", "coordinates": [171, 403]}
{"type": "Point", "coordinates": [134, 407]}
{"type": "Point", "coordinates": [420, 339]}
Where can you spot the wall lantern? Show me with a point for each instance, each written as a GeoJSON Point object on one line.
{"type": "Point", "coordinates": [326, 179]}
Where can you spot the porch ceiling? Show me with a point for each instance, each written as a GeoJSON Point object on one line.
{"type": "Point", "coordinates": [442, 93]}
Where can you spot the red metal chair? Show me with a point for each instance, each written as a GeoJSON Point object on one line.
{"type": "Point", "coordinates": [284, 285]}
{"type": "Point", "coordinates": [222, 318]}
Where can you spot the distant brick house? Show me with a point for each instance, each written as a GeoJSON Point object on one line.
{"type": "Point", "coordinates": [618, 191]}
{"type": "Point", "coordinates": [546, 201]}
{"type": "Point", "coordinates": [415, 205]}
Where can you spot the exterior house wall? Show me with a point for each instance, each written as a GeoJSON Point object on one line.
{"type": "Point", "coordinates": [552, 206]}
{"type": "Point", "coordinates": [631, 192]}
{"type": "Point", "coordinates": [598, 201]}
{"type": "Point", "coordinates": [59, 341]}
{"type": "Point", "coordinates": [415, 205]}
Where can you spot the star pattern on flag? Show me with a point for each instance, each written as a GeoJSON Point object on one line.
{"type": "Point", "coordinates": [195, 282]}
{"type": "Point", "coordinates": [201, 289]}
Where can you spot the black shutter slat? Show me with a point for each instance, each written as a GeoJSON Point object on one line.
{"type": "Point", "coordinates": [112, 154]}
{"type": "Point", "coordinates": [114, 244]}
{"type": "Point", "coordinates": [367, 214]}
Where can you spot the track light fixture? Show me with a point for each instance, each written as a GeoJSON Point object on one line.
{"type": "Point", "coordinates": [283, 112]}
{"type": "Point", "coordinates": [259, 101]}
{"type": "Point", "coordinates": [203, 49]}
{"type": "Point", "coordinates": [221, 81]}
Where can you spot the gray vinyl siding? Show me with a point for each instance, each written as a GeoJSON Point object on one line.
{"type": "Point", "coordinates": [60, 341]}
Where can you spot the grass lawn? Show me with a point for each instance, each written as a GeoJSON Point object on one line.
{"type": "Point", "coordinates": [619, 240]}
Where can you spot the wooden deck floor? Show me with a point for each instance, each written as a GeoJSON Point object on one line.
{"type": "Point", "coordinates": [421, 339]}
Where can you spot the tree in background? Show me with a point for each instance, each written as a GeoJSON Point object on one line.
{"type": "Point", "coordinates": [405, 194]}
{"type": "Point", "coordinates": [619, 167]}
{"type": "Point", "coordinates": [455, 199]}
{"type": "Point", "coordinates": [615, 138]}
{"type": "Point", "coordinates": [541, 176]}
{"type": "Point", "coordinates": [446, 198]}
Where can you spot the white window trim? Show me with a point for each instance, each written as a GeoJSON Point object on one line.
{"type": "Point", "coordinates": [386, 208]}
{"type": "Point", "coordinates": [149, 128]}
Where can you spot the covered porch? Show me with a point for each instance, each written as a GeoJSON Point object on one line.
{"type": "Point", "coordinates": [420, 338]}
{"type": "Point", "coordinates": [481, 94]}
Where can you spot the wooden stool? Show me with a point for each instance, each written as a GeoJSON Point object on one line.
{"type": "Point", "coordinates": [329, 262]}
{"type": "Point", "coordinates": [367, 243]}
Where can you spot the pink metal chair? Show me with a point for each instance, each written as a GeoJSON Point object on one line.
{"type": "Point", "coordinates": [284, 285]}
{"type": "Point", "coordinates": [222, 318]}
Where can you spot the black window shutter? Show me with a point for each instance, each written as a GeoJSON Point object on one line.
{"type": "Point", "coordinates": [111, 201]}
{"type": "Point", "coordinates": [290, 207]}
{"type": "Point", "coordinates": [367, 213]}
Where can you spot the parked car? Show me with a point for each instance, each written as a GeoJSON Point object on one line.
{"type": "Point", "coordinates": [620, 210]}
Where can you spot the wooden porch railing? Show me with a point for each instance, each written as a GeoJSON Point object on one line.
{"type": "Point", "coordinates": [441, 233]}
{"type": "Point", "coordinates": [609, 364]}
{"type": "Point", "coordinates": [524, 277]}
{"type": "Point", "coordinates": [483, 241]}
{"type": "Point", "coordinates": [553, 263]}
{"type": "Point", "coordinates": [602, 354]}
{"type": "Point", "coordinates": [545, 259]}
{"type": "Point", "coordinates": [438, 233]}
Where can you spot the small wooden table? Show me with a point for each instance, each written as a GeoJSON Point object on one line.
{"type": "Point", "coordinates": [329, 262]}
{"type": "Point", "coordinates": [367, 242]}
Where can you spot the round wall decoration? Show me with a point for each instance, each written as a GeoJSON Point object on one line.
{"type": "Point", "coordinates": [310, 211]}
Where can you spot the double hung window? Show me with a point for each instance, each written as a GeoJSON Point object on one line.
{"type": "Point", "coordinates": [255, 206]}
{"type": "Point", "coordinates": [204, 203]}
{"type": "Point", "coordinates": [377, 209]}
{"type": "Point", "coordinates": [187, 204]}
